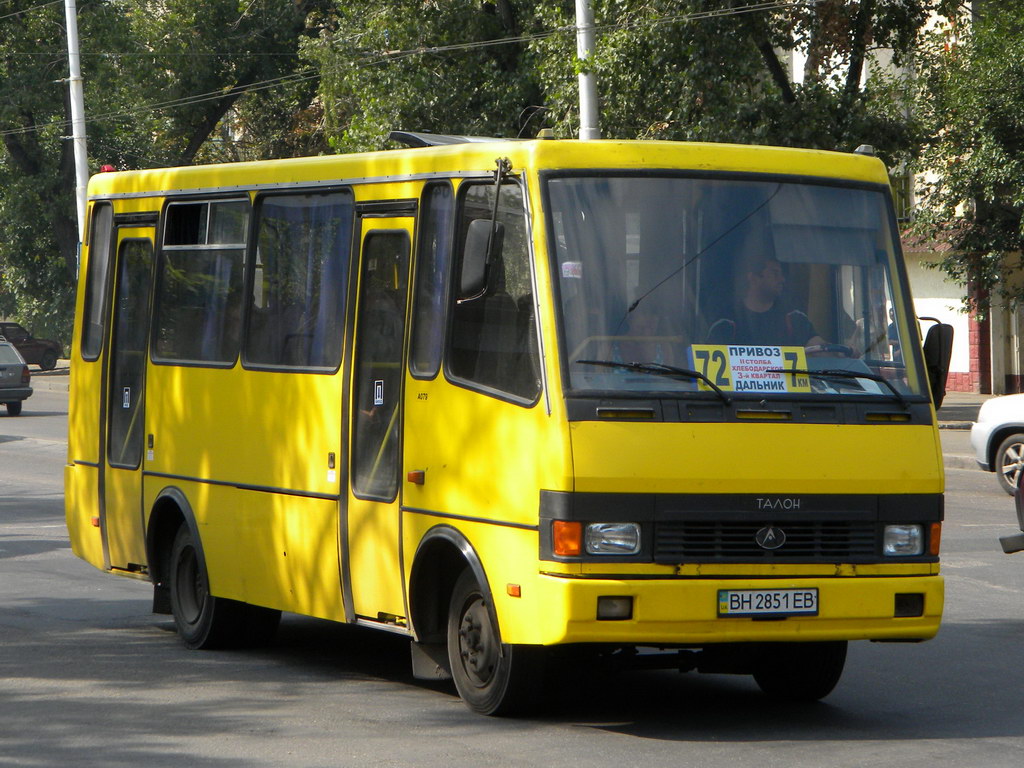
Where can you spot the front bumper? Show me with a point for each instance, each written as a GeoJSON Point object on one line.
{"type": "Point", "coordinates": [981, 433]}
{"type": "Point", "coordinates": [15, 394]}
{"type": "Point", "coordinates": [685, 611]}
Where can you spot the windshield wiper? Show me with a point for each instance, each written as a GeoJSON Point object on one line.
{"type": "Point", "coordinates": [660, 369]}
{"type": "Point", "coordinates": [839, 373]}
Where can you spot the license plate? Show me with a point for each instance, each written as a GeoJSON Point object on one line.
{"type": "Point", "coordinates": [768, 602]}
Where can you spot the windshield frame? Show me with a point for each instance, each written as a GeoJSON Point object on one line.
{"type": "Point", "coordinates": [899, 281]}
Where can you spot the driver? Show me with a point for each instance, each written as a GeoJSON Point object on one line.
{"type": "Point", "coordinates": [760, 317]}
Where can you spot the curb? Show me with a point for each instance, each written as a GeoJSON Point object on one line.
{"type": "Point", "coordinates": [959, 461]}
{"type": "Point", "coordinates": [56, 380]}
{"type": "Point", "coordinates": [44, 385]}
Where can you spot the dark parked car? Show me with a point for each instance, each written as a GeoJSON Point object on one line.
{"type": "Point", "coordinates": [41, 352]}
{"type": "Point", "coordinates": [14, 378]}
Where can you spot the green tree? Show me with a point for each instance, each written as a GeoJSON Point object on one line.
{"type": "Point", "coordinates": [38, 225]}
{"type": "Point", "coordinates": [712, 71]}
{"type": "Point", "coordinates": [695, 70]}
{"type": "Point", "coordinates": [167, 83]}
{"type": "Point", "coordinates": [424, 65]}
{"type": "Point", "coordinates": [972, 97]}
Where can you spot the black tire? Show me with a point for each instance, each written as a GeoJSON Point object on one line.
{"type": "Point", "coordinates": [800, 671]}
{"type": "Point", "coordinates": [491, 677]}
{"type": "Point", "coordinates": [48, 361]}
{"type": "Point", "coordinates": [1008, 462]}
{"type": "Point", "coordinates": [204, 621]}
{"type": "Point", "coordinates": [14, 409]}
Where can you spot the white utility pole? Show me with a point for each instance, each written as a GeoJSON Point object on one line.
{"type": "Point", "coordinates": [588, 83]}
{"type": "Point", "coordinates": [77, 114]}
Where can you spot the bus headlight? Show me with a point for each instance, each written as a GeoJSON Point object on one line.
{"type": "Point", "coordinates": [903, 540]}
{"type": "Point", "coordinates": [612, 538]}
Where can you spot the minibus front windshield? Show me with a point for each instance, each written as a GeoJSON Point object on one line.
{"type": "Point", "coordinates": [730, 286]}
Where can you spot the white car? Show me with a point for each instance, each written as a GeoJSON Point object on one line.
{"type": "Point", "coordinates": [998, 439]}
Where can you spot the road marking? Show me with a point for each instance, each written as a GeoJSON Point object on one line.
{"type": "Point", "coordinates": [986, 584]}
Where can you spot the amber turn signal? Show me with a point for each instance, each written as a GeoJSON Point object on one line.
{"type": "Point", "coordinates": [935, 539]}
{"type": "Point", "coordinates": [567, 538]}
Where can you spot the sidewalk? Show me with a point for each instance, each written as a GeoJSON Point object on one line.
{"type": "Point", "coordinates": [54, 381]}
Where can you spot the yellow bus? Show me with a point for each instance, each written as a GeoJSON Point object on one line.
{"type": "Point", "coordinates": [515, 400]}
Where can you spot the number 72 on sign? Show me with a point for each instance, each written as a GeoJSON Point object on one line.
{"type": "Point", "coordinates": [745, 367]}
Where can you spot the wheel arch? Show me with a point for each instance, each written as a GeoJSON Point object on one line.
{"type": "Point", "coordinates": [170, 511]}
{"type": "Point", "coordinates": [442, 554]}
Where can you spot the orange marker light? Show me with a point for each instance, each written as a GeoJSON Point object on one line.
{"type": "Point", "coordinates": [567, 538]}
{"type": "Point", "coordinates": [935, 539]}
{"type": "Point", "coordinates": [514, 590]}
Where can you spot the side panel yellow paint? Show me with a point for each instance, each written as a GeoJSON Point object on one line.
{"type": "Point", "coordinates": [482, 457]}
{"type": "Point", "coordinates": [266, 548]}
{"type": "Point", "coordinates": [80, 494]}
{"type": "Point", "coordinates": [254, 428]}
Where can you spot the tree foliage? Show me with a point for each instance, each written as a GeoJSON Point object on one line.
{"type": "Point", "coordinates": [666, 69]}
{"type": "Point", "coordinates": [972, 97]}
{"type": "Point", "coordinates": [166, 83]}
{"type": "Point", "coordinates": [425, 65]}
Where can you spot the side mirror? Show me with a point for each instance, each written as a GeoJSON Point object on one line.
{"type": "Point", "coordinates": [480, 250]}
{"type": "Point", "coordinates": [938, 350]}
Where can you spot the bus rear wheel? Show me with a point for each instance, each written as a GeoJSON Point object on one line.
{"type": "Point", "coordinates": [204, 621]}
{"type": "Point", "coordinates": [800, 671]}
{"type": "Point", "coordinates": [492, 678]}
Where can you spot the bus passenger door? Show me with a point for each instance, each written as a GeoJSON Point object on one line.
{"type": "Point", "coordinates": [373, 519]}
{"type": "Point", "coordinates": [121, 516]}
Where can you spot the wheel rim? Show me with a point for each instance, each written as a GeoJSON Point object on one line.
{"type": "Point", "coordinates": [1013, 460]}
{"type": "Point", "coordinates": [190, 588]}
{"type": "Point", "coordinates": [478, 648]}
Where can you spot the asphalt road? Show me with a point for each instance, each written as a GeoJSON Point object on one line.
{"type": "Point", "coordinates": [89, 677]}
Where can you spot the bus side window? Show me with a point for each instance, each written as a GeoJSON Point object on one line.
{"type": "Point", "coordinates": [492, 339]}
{"type": "Point", "coordinates": [297, 303]}
{"type": "Point", "coordinates": [433, 257]}
{"type": "Point", "coordinates": [97, 280]}
{"type": "Point", "coordinates": [197, 304]}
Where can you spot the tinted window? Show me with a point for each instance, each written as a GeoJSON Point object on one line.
{"type": "Point", "coordinates": [96, 280]}
{"type": "Point", "coordinates": [199, 289]}
{"type": "Point", "coordinates": [432, 260]}
{"type": "Point", "coordinates": [297, 305]}
{"type": "Point", "coordinates": [8, 355]}
{"type": "Point", "coordinates": [493, 339]}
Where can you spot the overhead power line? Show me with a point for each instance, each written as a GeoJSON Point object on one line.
{"type": "Point", "coordinates": [373, 59]}
{"type": "Point", "coordinates": [29, 10]}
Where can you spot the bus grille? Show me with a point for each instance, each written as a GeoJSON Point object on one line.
{"type": "Point", "coordinates": [706, 541]}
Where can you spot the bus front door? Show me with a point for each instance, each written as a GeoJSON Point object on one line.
{"type": "Point", "coordinates": [121, 518]}
{"type": "Point", "coordinates": [373, 503]}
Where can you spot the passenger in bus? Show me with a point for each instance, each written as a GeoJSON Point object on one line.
{"type": "Point", "coordinates": [760, 316]}
{"type": "Point", "coordinates": [644, 342]}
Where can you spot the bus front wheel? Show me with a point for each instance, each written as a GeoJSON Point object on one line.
{"type": "Point", "coordinates": [800, 671]}
{"type": "Point", "coordinates": [204, 621]}
{"type": "Point", "coordinates": [491, 677]}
